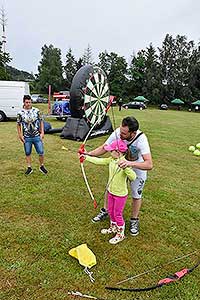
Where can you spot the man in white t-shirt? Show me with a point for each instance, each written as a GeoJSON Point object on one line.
{"type": "Point", "coordinates": [141, 163]}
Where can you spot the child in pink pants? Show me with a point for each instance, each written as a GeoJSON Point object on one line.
{"type": "Point", "coordinates": [116, 187]}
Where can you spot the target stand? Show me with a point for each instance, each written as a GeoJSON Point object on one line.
{"type": "Point", "coordinates": [77, 129]}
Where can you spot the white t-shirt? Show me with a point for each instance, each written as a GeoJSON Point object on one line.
{"type": "Point", "coordinates": [140, 147]}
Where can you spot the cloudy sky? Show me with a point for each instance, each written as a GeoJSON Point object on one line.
{"type": "Point", "coordinates": [122, 26]}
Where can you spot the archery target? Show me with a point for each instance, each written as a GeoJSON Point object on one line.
{"type": "Point", "coordinates": [89, 95]}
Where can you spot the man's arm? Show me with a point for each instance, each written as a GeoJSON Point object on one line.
{"type": "Point", "coordinates": [19, 131]}
{"type": "Point", "coordinates": [41, 129]}
{"type": "Point", "coordinates": [146, 165]}
{"type": "Point", "coordinates": [98, 151]}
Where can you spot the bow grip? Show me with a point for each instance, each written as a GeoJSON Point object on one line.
{"type": "Point", "coordinates": [81, 149]}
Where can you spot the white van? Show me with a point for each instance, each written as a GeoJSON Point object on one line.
{"type": "Point", "coordinates": [11, 98]}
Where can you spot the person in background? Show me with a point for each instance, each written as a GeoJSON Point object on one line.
{"type": "Point", "coordinates": [116, 188]}
{"type": "Point", "coordinates": [30, 129]}
{"type": "Point", "coordinates": [141, 162]}
{"type": "Point", "coordinates": [120, 102]}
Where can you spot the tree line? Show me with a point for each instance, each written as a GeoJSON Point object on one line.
{"type": "Point", "coordinates": [160, 74]}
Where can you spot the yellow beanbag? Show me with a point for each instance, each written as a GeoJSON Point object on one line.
{"type": "Point", "coordinates": [84, 255]}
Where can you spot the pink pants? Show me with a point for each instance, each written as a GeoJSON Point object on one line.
{"type": "Point", "coordinates": [116, 207]}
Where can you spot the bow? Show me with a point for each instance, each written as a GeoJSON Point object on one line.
{"type": "Point", "coordinates": [169, 279]}
{"type": "Point", "coordinates": [82, 151]}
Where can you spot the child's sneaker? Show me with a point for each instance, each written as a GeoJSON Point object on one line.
{"type": "Point", "coordinates": [116, 239]}
{"type": "Point", "coordinates": [111, 229]}
{"type": "Point", "coordinates": [119, 236]}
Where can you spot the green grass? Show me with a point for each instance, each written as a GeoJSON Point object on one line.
{"type": "Point", "coordinates": [43, 217]}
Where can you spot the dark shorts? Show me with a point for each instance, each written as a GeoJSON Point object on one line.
{"type": "Point", "coordinates": [37, 142]}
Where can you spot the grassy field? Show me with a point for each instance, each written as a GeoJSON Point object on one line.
{"type": "Point", "coordinates": [43, 217]}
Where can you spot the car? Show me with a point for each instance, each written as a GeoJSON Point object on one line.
{"type": "Point", "coordinates": [163, 106]}
{"type": "Point", "coordinates": [134, 104]}
{"type": "Point", "coordinates": [42, 100]}
{"type": "Point", "coordinates": [36, 98]}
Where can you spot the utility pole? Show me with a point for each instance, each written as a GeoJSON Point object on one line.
{"type": "Point", "coordinates": [3, 22]}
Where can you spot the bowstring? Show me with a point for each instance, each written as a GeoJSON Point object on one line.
{"type": "Point", "coordinates": [157, 267]}
{"type": "Point", "coordinates": [87, 136]}
{"type": "Point", "coordinates": [118, 168]}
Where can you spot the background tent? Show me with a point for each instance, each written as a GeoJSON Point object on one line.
{"type": "Point", "coordinates": [140, 99]}
{"type": "Point", "coordinates": [177, 101]}
{"type": "Point", "coordinates": [196, 103]}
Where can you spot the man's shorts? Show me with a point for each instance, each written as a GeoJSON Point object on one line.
{"type": "Point", "coordinates": [37, 142]}
{"type": "Point", "coordinates": [137, 187]}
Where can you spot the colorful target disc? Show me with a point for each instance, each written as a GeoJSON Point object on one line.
{"type": "Point", "coordinates": [96, 97]}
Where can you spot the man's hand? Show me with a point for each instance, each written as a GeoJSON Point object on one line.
{"type": "Point", "coordinates": [42, 135]}
{"type": "Point", "coordinates": [146, 164]}
{"type": "Point", "coordinates": [124, 163]}
{"type": "Point", "coordinates": [21, 138]}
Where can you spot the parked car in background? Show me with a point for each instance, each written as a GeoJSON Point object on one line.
{"type": "Point", "coordinates": [134, 104]}
{"type": "Point", "coordinates": [36, 98]}
{"type": "Point", "coordinates": [163, 106]}
{"type": "Point", "coordinates": [42, 100]}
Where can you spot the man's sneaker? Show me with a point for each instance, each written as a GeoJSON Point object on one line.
{"type": "Point", "coordinates": [103, 214]}
{"type": "Point", "coordinates": [29, 171]}
{"type": "Point", "coordinates": [134, 226]}
{"type": "Point", "coordinates": [43, 170]}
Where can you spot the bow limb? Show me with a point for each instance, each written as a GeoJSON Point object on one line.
{"type": "Point", "coordinates": [82, 151]}
{"type": "Point", "coordinates": [87, 185]}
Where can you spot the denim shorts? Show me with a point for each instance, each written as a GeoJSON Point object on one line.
{"type": "Point", "coordinates": [37, 142]}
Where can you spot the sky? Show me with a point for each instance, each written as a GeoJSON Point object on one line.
{"type": "Point", "coordinates": [120, 26]}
